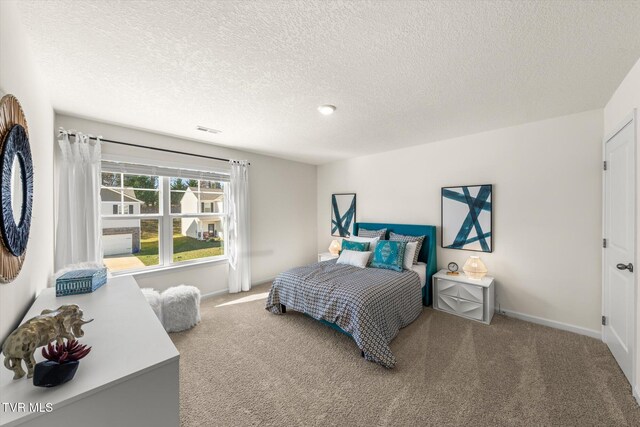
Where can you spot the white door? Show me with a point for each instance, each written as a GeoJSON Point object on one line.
{"type": "Point", "coordinates": [117, 244]}
{"type": "Point", "coordinates": [619, 254]}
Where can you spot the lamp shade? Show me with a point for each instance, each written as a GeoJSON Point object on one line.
{"type": "Point", "coordinates": [475, 268]}
{"type": "Point", "coordinates": [334, 247]}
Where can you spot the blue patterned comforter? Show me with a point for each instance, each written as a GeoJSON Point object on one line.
{"type": "Point", "coordinates": [371, 304]}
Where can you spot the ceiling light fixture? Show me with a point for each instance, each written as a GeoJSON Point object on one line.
{"type": "Point", "coordinates": [206, 129]}
{"type": "Point", "coordinates": [327, 109]}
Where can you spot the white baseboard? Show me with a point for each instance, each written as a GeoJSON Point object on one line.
{"type": "Point", "coordinates": [263, 282]}
{"type": "Point", "coordinates": [224, 291]}
{"type": "Point", "coordinates": [552, 324]}
{"type": "Point", "coordinates": [213, 294]}
{"type": "Point", "coordinates": [636, 393]}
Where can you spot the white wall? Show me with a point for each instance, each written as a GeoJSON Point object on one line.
{"type": "Point", "coordinates": [283, 204]}
{"type": "Point", "coordinates": [547, 212]}
{"type": "Point", "coordinates": [19, 76]}
{"type": "Point", "coordinates": [623, 101]}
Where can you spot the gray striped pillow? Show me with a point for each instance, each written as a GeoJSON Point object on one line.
{"type": "Point", "coordinates": [403, 238]}
{"type": "Point", "coordinates": [363, 232]}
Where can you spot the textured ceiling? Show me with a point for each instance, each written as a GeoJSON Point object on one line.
{"type": "Point", "coordinates": [400, 72]}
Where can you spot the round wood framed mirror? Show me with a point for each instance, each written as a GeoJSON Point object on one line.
{"type": "Point", "coordinates": [16, 191]}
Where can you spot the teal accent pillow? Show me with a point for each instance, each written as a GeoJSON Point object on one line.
{"type": "Point", "coordinates": [354, 246]}
{"type": "Point", "coordinates": [389, 255]}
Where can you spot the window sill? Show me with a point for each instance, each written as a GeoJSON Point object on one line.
{"type": "Point", "coordinates": [172, 267]}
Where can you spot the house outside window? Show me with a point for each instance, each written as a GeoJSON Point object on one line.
{"type": "Point", "coordinates": [151, 221]}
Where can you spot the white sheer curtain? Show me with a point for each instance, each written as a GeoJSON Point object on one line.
{"type": "Point", "coordinates": [238, 227]}
{"type": "Point", "coordinates": [78, 233]}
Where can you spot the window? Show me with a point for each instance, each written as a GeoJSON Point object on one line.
{"type": "Point", "coordinates": [193, 217]}
{"type": "Point", "coordinates": [151, 220]}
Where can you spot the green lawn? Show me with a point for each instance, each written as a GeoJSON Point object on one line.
{"type": "Point", "coordinates": [184, 249]}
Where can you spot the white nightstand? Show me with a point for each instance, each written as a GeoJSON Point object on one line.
{"type": "Point", "coordinates": [326, 256]}
{"type": "Point", "coordinates": [462, 296]}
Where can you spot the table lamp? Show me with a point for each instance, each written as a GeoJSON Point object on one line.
{"type": "Point", "coordinates": [474, 268]}
{"type": "Point", "coordinates": [334, 247]}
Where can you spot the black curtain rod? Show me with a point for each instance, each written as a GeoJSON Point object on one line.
{"type": "Point", "coordinates": [129, 144]}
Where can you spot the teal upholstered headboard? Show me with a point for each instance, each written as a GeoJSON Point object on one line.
{"type": "Point", "coordinates": [427, 253]}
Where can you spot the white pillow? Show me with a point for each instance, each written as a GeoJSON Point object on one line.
{"type": "Point", "coordinates": [409, 253]}
{"type": "Point", "coordinates": [355, 258]}
{"type": "Point", "coordinates": [373, 241]}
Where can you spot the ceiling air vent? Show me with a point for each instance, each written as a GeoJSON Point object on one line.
{"type": "Point", "coordinates": [206, 129]}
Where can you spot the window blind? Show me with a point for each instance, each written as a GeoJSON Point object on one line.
{"type": "Point", "coordinates": [140, 169]}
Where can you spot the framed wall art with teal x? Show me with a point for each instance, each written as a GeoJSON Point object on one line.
{"type": "Point", "coordinates": [467, 220]}
{"type": "Point", "coordinates": [343, 214]}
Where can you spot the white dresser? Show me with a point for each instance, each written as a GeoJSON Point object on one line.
{"type": "Point", "coordinates": [130, 378]}
{"type": "Point", "coordinates": [326, 256]}
{"type": "Point", "coordinates": [465, 297]}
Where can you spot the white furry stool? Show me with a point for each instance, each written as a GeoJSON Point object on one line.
{"type": "Point", "coordinates": [155, 301]}
{"type": "Point", "coordinates": [180, 308]}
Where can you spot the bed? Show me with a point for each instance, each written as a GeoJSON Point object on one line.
{"type": "Point", "coordinates": [368, 304]}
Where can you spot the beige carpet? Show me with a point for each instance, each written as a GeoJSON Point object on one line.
{"type": "Point", "coordinates": [244, 366]}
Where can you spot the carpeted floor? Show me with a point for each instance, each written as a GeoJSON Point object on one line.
{"type": "Point", "coordinates": [243, 366]}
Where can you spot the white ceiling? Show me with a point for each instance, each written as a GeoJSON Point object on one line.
{"type": "Point", "coordinates": [400, 72]}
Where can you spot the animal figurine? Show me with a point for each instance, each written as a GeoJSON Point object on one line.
{"type": "Point", "coordinates": [64, 322]}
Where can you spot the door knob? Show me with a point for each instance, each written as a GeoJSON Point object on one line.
{"type": "Point", "coordinates": [625, 267]}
